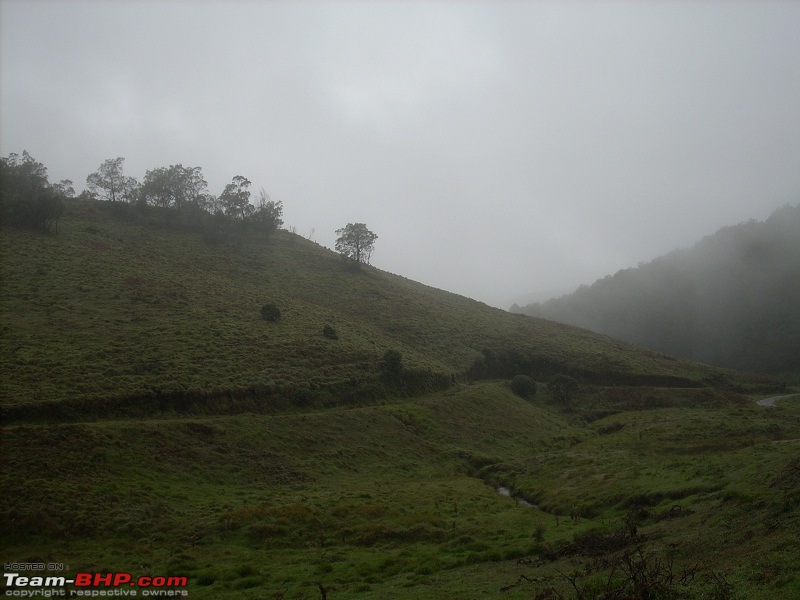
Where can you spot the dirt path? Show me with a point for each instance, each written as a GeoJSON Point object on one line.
{"type": "Point", "coordinates": [771, 401]}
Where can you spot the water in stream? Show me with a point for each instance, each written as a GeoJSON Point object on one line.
{"type": "Point", "coordinates": [504, 491]}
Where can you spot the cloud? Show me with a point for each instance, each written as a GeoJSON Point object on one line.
{"type": "Point", "coordinates": [497, 149]}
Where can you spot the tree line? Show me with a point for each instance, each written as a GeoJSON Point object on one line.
{"type": "Point", "coordinates": [29, 200]}
{"type": "Point", "coordinates": [184, 189]}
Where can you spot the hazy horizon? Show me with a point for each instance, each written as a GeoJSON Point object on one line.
{"type": "Point", "coordinates": [508, 152]}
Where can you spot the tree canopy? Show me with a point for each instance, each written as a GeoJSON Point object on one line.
{"type": "Point", "coordinates": [27, 199]}
{"type": "Point", "coordinates": [235, 198]}
{"type": "Point", "coordinates": [356, 242]}
{"type": "Point", "coordinates": [268, 214]}
{"type": "Point", "coordinates": [179, 193]}
{"type": "Point", "coordinates": [176, 186]}
{"type": "Point", "coordinates": [110, 183]}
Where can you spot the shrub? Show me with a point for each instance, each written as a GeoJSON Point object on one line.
{"type": "Point", "coordinates": [523, 386]}
{"type": "Point", "coordinates": [302, 397]}
{"type": "Point", "coordinates": [610, 428]}
{"type": "Point", "coordinates": [330, 333]}
{"type": "Point", "coordinates": [391, 367]}
{"type": "Point", "coordinates": [270, 312]}
{"type": "Point", "coordinates": [206, 578]}
{"type": "Point", "coordinates": [563, 388]}
{"type": "Point", "coordinates": [392, 363]}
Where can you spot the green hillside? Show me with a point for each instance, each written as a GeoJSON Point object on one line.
{"type": "Point", "coordinates": [113, 316]}
{"type": "Point", "coordinates": [155, 423]}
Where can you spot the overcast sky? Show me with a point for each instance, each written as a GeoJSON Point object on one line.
{"type": "Point", "coordinates": [497, 149]}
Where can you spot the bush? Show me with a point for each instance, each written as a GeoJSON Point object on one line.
{"type": "Point", "coordinates": [563, 388]}
{"type": "Point", "coordinates": [270, 312]}
{"type": "Point", "coordinates": [206, 578]}
{"type": "Point", "coordinates": [392, 362]}
{"type": "Point", "coordinates": [330, 333]}
{"type": "Point", "coordinates": [391, 366]}
{"type": "Point", "coordinates": [302, 397]}
{"type": "Point", "coordinates": [523, 386]}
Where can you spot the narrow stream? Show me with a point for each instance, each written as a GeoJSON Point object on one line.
{"type": "Point", "coordinates": [504, 491]}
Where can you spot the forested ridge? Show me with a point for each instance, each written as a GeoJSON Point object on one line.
{"type": "Point", "coordinates": [731, 300]}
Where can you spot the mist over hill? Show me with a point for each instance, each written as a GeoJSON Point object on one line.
{"type": "Point", "coordinates": [731, 300]}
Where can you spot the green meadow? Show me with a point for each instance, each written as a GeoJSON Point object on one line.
{"type": "Point", "coordinates": [153, 422]}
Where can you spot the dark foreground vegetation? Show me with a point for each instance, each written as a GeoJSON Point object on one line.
{"type": "Point", "coordinates": [251, 412]}
{"type": "Point", "coordinates": [731, 300]}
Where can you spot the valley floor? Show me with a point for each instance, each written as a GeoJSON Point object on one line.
{"type": "Point", "coordinates": [400, 500]}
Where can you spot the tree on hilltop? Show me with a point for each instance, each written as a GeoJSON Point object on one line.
{"type": "Point", "coordinates": [268, 213]}
{"type": "Point", "coordinates": [110, 183]}
{"type": "Point", "coordinates": [356, 242]}
{"type": "Point", "coordinates": [235, 198]}
{"type": "Point", "coordinates": [27, 199]}
{"type": "Point", "coordinates": [174, 186]}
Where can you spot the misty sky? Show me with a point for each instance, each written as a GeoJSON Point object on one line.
{"type": "Point", "coordinates": [498, 149]}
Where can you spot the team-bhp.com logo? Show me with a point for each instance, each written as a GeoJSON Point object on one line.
{"type": "Point", "coordinates": [93, 585]}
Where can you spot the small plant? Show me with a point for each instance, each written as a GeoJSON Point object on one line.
{"type": "Point", "coordinates": [523, 386]}
{"type": "Point", "coordinates": [270, 312]}
{"type": "Point", "coordinates": [330, 333]}
{"type": "Point", "coordinates": [538, 532]}
{"type": "Point", "coordinates": [206, 578]}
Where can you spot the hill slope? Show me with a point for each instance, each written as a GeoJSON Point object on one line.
{"type": "Point", "coordinates": [115, 315]}
{"type": "Point", "coordinates": [265, 460]}
{"type": "Point", "coordinates": [731, 300]}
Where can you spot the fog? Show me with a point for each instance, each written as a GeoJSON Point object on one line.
{"type": "Point", "coordinates": [503, 151]}
{"type": "Point", "coordinates": [731, 300]}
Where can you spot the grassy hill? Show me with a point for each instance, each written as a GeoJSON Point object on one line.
{"type": "Point", "coordinates": [155, 423]}
{"type": "Point", "coordinates": [114, 316]}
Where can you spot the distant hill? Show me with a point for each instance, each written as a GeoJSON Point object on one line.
{"type": "Point", "coordinates": [732, 300]}
{"type": "Point", "coordinates": [124, 311]}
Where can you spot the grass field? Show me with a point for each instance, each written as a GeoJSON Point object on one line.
{"type": "Point", "coordinates": [155, 423]}
{"type": "Point", "coordinates": [400, 499]}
